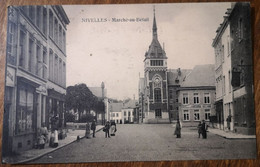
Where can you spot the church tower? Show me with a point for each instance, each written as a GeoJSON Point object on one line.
{"type": "Point", "coordinates": [155, 76]}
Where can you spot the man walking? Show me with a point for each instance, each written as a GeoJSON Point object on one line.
{"type": "Point", "coordinates": [93, 127]}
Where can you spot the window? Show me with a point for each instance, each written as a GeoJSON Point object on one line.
{"type": "Point", "coordinates": [170, 94]}
{"type": "Point", "coordinates": [56, 31]}
{"type": "Point", "coordinates": [24, 115]}
{"type": "Point", "coordinates": [171, 107]}
{"type": "Point", "coordinates": [44, 71]}
{"type": "Point", "coordinates": [158, 113]}
{"type": "Point", "coordinates": [228, 45]}
{"type": "Point", "coordinates": [224, 85]}
{"type": "Point", "coordinates": [64, 74]}
{"type": "Point", "coordinates": [51, 24]}
{"type": "Point", "coordinates": [60, 72]}
{"type": "Point", "coordinates": [157, 95]}
{"type": "Point", "coordinates": [207, 114]}
{"type": "Point", "coordinates": [32, 13]}
{"type": "Point", "coordinates": [196, 115]}
{"type": "Point", "coordinates": [156, 62]}
{"type": "Point", "coordinates": [196, 98]}
{"type": "Point", "coordinates": [185, 98]}
{"type": "Point", "coordinates": [44, 21]}
{"type": "Point", "coordinates": [129, 113]}
{"type": "Point", "coordinates": [38, 60]}
{"type": "Point", "coordinates": [30, 58]}
{"type": "Point", "coordinates": [186, 115]}
{"type": "Point", "coordinates": [240, 29]}
{"type": "Point", "coordinates": [51, 65]}
{"type": "Point", "coordinates": [124, 113]}
{"type": "Point", "coordinates": [177, 100]}
{"type": "Point", "coordinates": [64, 41]}
{"type": "Point", "coordinates": [229, 81]}
{"type": "Point", "coordinates": [10, 42]}
{"type": "Point", "coordinates": [60, 37]}
{"type": "Point", "coordinates": [206, 98]}
{"type": "Point", "coordinates": [38, 18]}
{"type": "Point", "coordinates": [116, 114]}
{"type": "Point", "coordinates": [56, 68]}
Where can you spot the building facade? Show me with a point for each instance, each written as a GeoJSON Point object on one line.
{"type": "Point", "coordinates": [234, 71]}
{"type": "Point", "coordinates": [35, 84]}
{"type": "Point", "coordinates": [196, 95]}
{"type": "Point", "coordinates": [155, 81]}
{"type": "Point", "coordinates": [161, 90]}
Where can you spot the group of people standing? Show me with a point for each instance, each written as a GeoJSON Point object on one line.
{"type": "Point", "coordinates": [110, 126]}
{"type": "Point", "coordinates": [91, 127]}
{"type": "Point", "coordinates": [202, 129]}
{"type": "Point", "coordinates": [109, 129]}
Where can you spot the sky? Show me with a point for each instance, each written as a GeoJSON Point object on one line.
{"type": "Point", "coordinates": [100, 49]}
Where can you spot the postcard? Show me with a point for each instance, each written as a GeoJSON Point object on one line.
{"type": "Point", "coordinates": [132, 82]}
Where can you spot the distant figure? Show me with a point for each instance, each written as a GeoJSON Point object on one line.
{"type": "Point", "coordinates": [113, 128]}
{"type": "Point", "coordinates": [87, 134]}
{"type": "Point", "coordinates": [93, 127]}
{"type": "Point", "coordinates": [106, 129]}
{"type": "Point", "coordinates": [204, 128]}
{"type": "Point", "coordinates": [78, 138]}
{"type": "Point", "coordinates": [199, 128]}
{"type": "Point", "coordinates": [228, 121]}
{"type": "Point", "coordinates": [178, 129]}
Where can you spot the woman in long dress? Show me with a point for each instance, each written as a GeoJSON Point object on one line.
{"type": "Point", "coordinates": [178, 129]}
{"type": "Point", "coordinates": [113, 128]}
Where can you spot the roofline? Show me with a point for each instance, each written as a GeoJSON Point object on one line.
{"type": "Point", "coordinates": [197, 88]}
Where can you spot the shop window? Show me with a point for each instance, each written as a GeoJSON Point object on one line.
{"type": "Point", "coordinates": [24, 114]}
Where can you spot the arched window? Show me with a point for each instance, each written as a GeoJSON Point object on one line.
{"type": "Point", "coordinates": [157, 95]}
{"type": "Point", "coordinates": [157, 83]}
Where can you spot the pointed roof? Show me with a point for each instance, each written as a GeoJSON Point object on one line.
{"type": "Point", "coordinates": [155, 48]}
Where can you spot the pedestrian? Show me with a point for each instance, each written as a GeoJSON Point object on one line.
{"type": "Point", "coordinates": [93, 127]}
{"type": "Point", "coordinates": [113, 128]}
{"type": "Point", "coordinates": [87, 134]}
{"type": "Point", "coordinates": [177, 131]}
{"type": "Point", "coordinates": [204, 128]}
{"type": "Point", "coordinates": [106, 129]}
{"type": "Point", "coordinates": [199, 128]}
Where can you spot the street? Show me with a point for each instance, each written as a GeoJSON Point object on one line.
{"type": "Point", "coordinates": [151, 142]}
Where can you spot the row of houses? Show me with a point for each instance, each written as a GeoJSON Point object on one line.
{"type": "Point", "coordinates": [123, 112]}
{"type": "Point", "coordinates": [35, 84]}
{"type": "Point", "coordinates": [234, 71]}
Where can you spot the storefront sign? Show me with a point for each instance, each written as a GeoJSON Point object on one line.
{"type": "Point", "coordinates": [10, 76]}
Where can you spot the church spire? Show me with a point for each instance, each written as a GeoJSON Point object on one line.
{"type": "Point", "coordinates": [154, 25]}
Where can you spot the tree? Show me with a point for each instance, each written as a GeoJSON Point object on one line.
{"type": "Point", "coordinates": [80, 98]}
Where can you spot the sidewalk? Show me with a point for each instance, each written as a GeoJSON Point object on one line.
{"type": "Point", "coordinates": [29, 155]}
{"type": "Point", "coordinates": [230, 135]}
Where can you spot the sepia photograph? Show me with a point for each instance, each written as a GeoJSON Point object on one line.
{"type": "Point", "coordinates": [128, 83]}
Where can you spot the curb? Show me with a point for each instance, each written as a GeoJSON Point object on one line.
{"type": "Point", "coordinates": [55, 149]}
{"type": "Point", "coordinates": [233, 138]}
